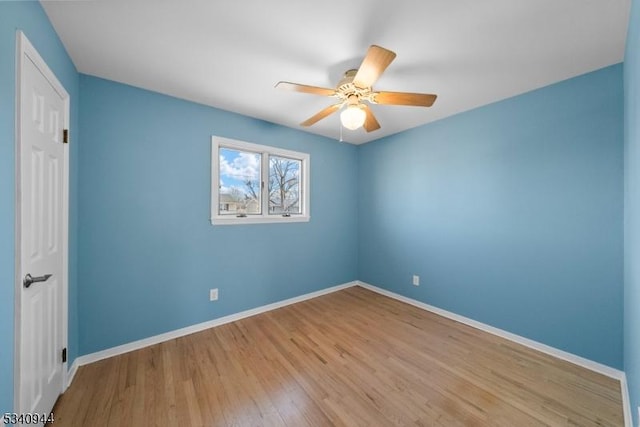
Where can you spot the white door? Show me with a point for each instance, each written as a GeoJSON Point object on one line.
{"type": "Point", "coordinates": [42, 195]}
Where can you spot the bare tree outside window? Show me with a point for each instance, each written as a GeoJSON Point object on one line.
{"type": "Point", "coordinates": [284, 185]}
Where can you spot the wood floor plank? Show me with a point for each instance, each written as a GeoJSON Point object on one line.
{"type": "Point", "coordinates": [350, 358]}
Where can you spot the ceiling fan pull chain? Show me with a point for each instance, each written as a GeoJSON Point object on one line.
{"type": "Point", "coordinates": [340, 126]}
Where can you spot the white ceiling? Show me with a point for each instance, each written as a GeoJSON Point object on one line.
{"type": "Point", "coordinates": [229, 54]}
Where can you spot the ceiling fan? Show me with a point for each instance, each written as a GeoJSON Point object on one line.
{"type": "Point", "coordinates": [356, 87]}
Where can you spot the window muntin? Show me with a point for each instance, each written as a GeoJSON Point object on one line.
{"type": "Point", "coordinates": [254, 183]}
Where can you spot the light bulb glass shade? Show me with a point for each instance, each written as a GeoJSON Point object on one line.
{"type": "Point", "coordinates": [353, 117]}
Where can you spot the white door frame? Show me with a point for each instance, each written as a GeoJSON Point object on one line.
{"type": "Point", "coordinates": [24, 49]}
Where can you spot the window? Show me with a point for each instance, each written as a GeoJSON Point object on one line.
{"type": "Point", "coordinates": [254, 183]}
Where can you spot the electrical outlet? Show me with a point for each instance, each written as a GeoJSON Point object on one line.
{"type": "Point", "coordinates": [213, 294]}
{"type": "Point", "coordinates": [416, 280]}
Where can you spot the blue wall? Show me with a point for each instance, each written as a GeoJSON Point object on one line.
{"type": "Point", "coordinates": [31, 19]}
{"type": "Point", "coordinates": [148, 253]}
{"type": "Point", "coordinates": [632, 209]}
{"type": "Point", "coordinates": [511, 214]}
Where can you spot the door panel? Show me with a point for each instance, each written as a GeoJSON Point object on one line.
{"type": "Point", "coordinates": [53, 227]}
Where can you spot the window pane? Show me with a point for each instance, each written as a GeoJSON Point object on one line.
{"type": "Point", "coordinates": [284, 185]}
{"type": "Point", "coordinates": [239, 183]}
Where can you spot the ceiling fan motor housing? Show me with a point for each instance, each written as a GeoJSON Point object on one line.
{"type": "Point", "coordinates": [346, 90]}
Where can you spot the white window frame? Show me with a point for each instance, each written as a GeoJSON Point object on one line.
{"type": "Point", "coordinates": [265, 151]}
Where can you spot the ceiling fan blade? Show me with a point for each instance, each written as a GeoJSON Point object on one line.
{"type": "Point", "coordinates": [322, 114]}
{"type": "Point", "coordinates": [404, 98]}
{"type": "Point", "coordinates": [370, 122]}
{"type": "Point", "coordinates": [373, 65]}
{"type": "Point", "coordinates": [306, 88]}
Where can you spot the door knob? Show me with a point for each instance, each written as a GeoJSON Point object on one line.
{"type": "Point", "coordinates": [28, 279]}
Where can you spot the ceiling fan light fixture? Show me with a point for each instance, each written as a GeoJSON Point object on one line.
{"type": "Point", "coordinates": [353, 117]}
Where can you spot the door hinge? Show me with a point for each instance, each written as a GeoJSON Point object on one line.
{"type": "Point", "coordinates": [64, 355]}
{"type": "Point", "coordinates": [65, 136]}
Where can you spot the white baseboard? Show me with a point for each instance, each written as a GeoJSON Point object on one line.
{"type": "Point", "coordinates": [71, 373]}
{"type": "Point", "coordinates": [560, 354]}
{"type": "Point", "coordinates": [626, 402]}
{"type": "Point", "coordinates": [135, 345]}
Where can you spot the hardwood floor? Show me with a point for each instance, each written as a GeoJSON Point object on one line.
{"type": "Point", "coordinates": [350, 358]}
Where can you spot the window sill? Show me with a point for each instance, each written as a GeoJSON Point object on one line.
{"type": "Point", "coordinates": [233, 220]}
